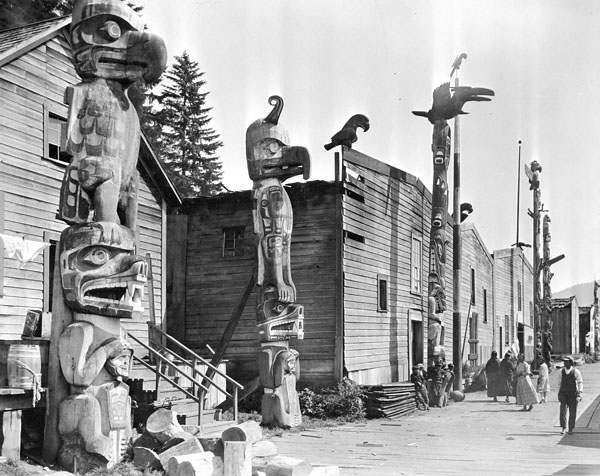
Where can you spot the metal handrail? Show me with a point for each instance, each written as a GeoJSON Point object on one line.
{"type": "Point", "coordinates": [196, 356]}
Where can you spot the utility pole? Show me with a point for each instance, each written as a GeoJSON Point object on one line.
{"type": "Point", "coordinates": [457, 245]}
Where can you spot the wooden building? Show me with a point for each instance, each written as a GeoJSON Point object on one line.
{"type": "Point", "coordinates": [565, 326]}
{"type": "Point", "coordinates": [360, 251]}
{"type": "Point", "coordinates": [35, 70]}
{"type": "Point", "coordinates": [477, 303]}
{"type": "Point", "coordinates": [513, 301]}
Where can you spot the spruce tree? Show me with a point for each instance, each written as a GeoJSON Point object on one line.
{"type": "Point", "coordinates": [178, 127]}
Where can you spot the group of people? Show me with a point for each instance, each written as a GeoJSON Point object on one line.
{"type": "Point", "coordinates": [432, 388]}
{"type": "Point", "coordinates": [505, 378]}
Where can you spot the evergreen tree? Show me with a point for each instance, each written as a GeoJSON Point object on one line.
{"type": "Point", "coordinates": [177, 126]}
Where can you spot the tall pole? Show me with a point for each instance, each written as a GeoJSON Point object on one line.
{"type": "Point", "coordinates": [518, 193]}
{"type": "Point", "coordinates": [457, 247]}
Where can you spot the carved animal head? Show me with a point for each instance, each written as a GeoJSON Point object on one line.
{"type": "Point", "coordinates": [109, 42]}
{"type": "Point", "coordinates": [268, 152]}
{"type": "Point", "coordinates": [100, 273]}
{"type": "Point", "coordinates": [277, 320]}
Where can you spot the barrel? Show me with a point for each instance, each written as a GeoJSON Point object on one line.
{"type": "Point", "coordinates": [28, 355]}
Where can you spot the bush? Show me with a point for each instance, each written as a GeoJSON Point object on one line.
{"type": "Point", "coordinates": [345, 402]}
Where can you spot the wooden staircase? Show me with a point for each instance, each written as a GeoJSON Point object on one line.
{"type": "Point", "coordinates": [177, 378]}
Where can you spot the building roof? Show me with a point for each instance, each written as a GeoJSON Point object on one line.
{"type": "Point", "coordinates": [558, 303]}
{"type": "Point", "coordinates": [16, 42]}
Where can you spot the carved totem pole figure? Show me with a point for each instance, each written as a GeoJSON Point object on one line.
{"type": "Point", "coordinates": [271, 160]}
{"type": "Point", "coordinates": [547, 301]}
{"type": "Point", "coordinates": [445, 106]}
{"type": "Point", "coordinates": [102, 279]}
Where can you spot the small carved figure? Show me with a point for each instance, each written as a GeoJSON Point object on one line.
{"type": "Point", "coordinates": [446, 106]}
{"type": "Point", "coordinates": [534, 175]}
{"type": "Point", "coordinates": [110, 52]}
{"type": "Point", "coordinates": [465, 210]}
{"type": "Point", "coordinates": [347, 135]}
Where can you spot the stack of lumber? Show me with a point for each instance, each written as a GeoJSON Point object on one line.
{"type": "Point", "coordinates": [391, 400]}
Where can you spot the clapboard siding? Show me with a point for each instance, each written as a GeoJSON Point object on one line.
{"type": "Point", "coordinates": [31, 184]}
{"type": "Point", "coordinates": [385, 207]}
{"type": "Point", "coordinates": [215, 284]}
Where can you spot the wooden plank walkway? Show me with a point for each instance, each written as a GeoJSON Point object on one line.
{"type": "Point", "coordinates": [475, 437]}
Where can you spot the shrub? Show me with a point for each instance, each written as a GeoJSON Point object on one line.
{"type": "Point", "coordinates": [344, 401]}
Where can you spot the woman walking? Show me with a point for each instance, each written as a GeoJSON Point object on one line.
{"type": "Point", "coordinates": [494, 381]}
{"type": "Point", "coordinates": [526, 394]}
{"type": "Point", "coordinates": [507, 371]}
{"type": "Point", "coordinates": [543, 383]}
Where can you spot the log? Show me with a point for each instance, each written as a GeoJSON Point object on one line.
{"type": "Point", "coordinates": [185, 448]}
{"type": "Point", "coordinates": [146, 441]}
{"type": "Point", "coordinates": [145, 458]}
{"type": "Point", "coordinates": [175, 440]}
{"type": "Point", "coordinates": [287, 466]}
{"type": "Point", "coordinates": [163, 425]}
{"type": "Point", "coordinates": [249, 431]}
{"type": "Point", "coordinates": [237, 460]}
{"type": "Point", "coordinates": [196, 464]}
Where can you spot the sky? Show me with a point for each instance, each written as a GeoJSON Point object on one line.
{"type": "Point", "coordinates": [330, 59]}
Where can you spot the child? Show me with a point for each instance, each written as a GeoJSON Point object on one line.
{"type": "Point", "coordinates": [418, 379]}
{"type": "Point", "coordinates": [543, 383]}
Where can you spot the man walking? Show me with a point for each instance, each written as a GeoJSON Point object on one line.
{"type": "Point", "coordinates": [570, 388]}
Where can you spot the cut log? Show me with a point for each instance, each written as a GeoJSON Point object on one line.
{"type": "Point", "coordinates": [145, 458]}
{"type": "Point", "coordinates": [175, 440]}
{"type": "Point", "coordinates": [249, 431]}
{"type": "Point", "coordinates": [186, 447]}
{"type": "Point", "coordinates": [209, 443]}
{"type": "Point", "coordinates": [163, 425]}
{"type": "Point", "coordinates": [237, 459]}
{"type": "Point", "coordinates": [197, 464]}
{"type": "Point", "coordinates": [287, 466]}
{"type": "Point", "coordinates": [264, 448]}
{"type": "Point", "coordinates": [146, 441]}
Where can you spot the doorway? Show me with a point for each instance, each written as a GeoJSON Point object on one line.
{"type": "Point", "coordinates": [416, 356]}
{"type": "Point", "coordinates": [521, 337]}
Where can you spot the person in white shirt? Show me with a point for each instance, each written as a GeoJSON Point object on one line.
{"type": "Point", "coordinates": [570, 388]}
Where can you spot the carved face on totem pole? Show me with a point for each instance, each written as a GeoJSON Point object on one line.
{"type": "Point", "coordinates": [268, 152]}
{"type": "Point", "coordinates": [100, 273]}
{"type": "Point", "coordinates": [109, 42]}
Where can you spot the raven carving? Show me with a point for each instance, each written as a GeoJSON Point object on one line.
{"type": "Point", "coordinates": [347, 135]}
{"type": "Point", "coordinates": [446, 106]}
{"type": "Point", "coordinates": [465, 210]}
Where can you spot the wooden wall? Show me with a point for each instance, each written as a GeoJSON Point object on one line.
{"type": "Point", "coordinates": [480, 335]}
{"type": "Point", "coordinates": [30, 85]}
{"type": "Point", "coordinates": [383, 208]}
{"type": "Point", "coordinates": [214, 285]}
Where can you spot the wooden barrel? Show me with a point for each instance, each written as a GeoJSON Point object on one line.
{"type": "Point", "coordinates": [30, 356]}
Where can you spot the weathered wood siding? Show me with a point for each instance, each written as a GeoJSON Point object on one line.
{"type": "Point", "coordinates": [30, 85]}
{"type": "Point", "coordinates": [383, 208]}
{"type": "Point", "coordinates": [214, 285]}
{"type": "Point", "coordinates": [511, 267]}
{"type": "Point", "coordinates": [480, 335]}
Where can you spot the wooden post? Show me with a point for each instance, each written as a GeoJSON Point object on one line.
{"type": "Point", "coordinates": [58, 388]}
{"type": "Point", "coordinates": [338, 369]}
{"type": "Point", "coordinates": [237, 459]}
{"type": "Point", "coordinates": [11, 435]}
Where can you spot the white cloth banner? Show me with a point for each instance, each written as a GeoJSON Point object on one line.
{"type": "Point", "coordinates": [21, 249]}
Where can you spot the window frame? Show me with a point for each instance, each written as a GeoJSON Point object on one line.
{"type": "Point", "coordinates": [485, 306]}
{"type": "Point", "coordinates": [473, 300]}
{"type": "Point", "coordinates": [52, 110]}
{"type": "Point", "coordinates": [238, 241]}
{"type": "Point", "coordinates": [383, 279]}
{"type": "Point", "coordinates": [416, 282]}
{"type": "Point", "coordinates": [53, 238]}
{"type": "Point", "coordinates": [519, 296]}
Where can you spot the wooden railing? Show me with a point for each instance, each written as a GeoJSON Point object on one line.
{"type": "Point", "coordinates": [201, 382]}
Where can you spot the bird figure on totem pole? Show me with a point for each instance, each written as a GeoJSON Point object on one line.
{"type": "Point", "coordinates": [347, 135]}
{"type": "Point", "coordinates": [446, 105]}
{"type": "Point", "coordinates": [534, 175]}
{"type": "Point", "coordinates": [465, 210]}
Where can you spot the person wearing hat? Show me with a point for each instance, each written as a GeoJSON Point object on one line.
{"type": "Point", "coordinates": [420, 382]}
{"type": "Point", "coordinates": [570, 388]}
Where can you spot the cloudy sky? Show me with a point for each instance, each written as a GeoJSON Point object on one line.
{"type": "Point", "coordinates": [330, 59]}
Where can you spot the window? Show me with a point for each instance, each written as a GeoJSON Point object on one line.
{"type": "Point", "coordinates": [472, 286]}
{"type": "Point", "coordinates": [1, 244]}
{"type": "Point", "coordinates": [519, 296]}
{"type": "Point", "coordinates": [506, 330]}
{"type": "Point", "coordinates": [382, 293]}
{"type": "Point", "coordinates": [416, 265]}
{"type": "Point", "coordinates": [349, 235]}
{"type": "Point", "coordinates": [233, 241]}
{"type": "Point", "coordinates": [531, 313]}
{"type": "Point", "coordinates": [49, 267]}
{"type": "Point", "coordinates": [485, 308]}
{"type": "Point", "coordinates": [474, 331]}
{"type": "Point", "coordinates": [55, 134]}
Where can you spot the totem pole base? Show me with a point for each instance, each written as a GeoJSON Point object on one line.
{"type": "Point", "coordinates": [279, 372]}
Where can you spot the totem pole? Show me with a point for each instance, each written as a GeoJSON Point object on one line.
{"type": "Point", "coordinates": [271, 160]}
{"type": "Point", "coordinates": [596, 322]}
{"type": "Point", "coordinates": [102, 278]}
{"type": "Point", "coordinates": [445, 107]}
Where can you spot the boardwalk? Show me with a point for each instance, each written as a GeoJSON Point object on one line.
{"type": "Point", "coordinates": [475, 437]}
